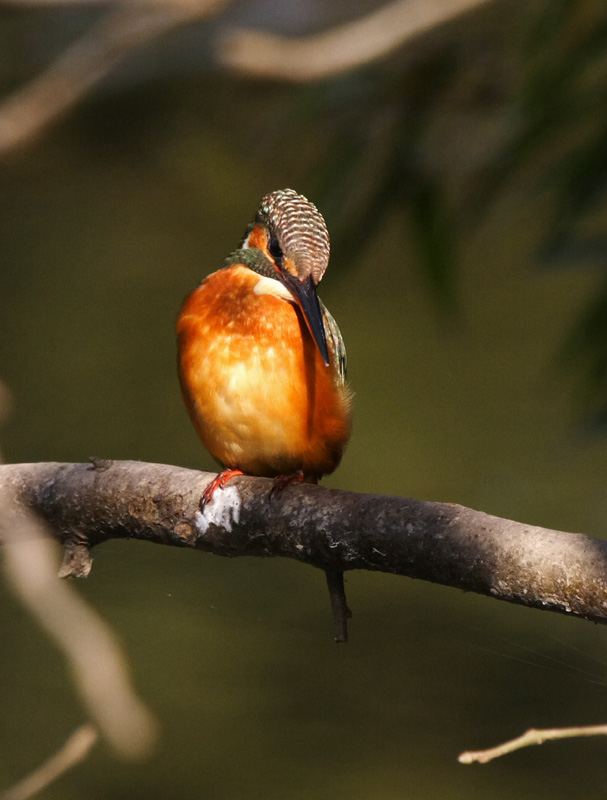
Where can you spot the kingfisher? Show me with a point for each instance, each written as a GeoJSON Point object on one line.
{"type": "Point", "coordinates": [262, 363]}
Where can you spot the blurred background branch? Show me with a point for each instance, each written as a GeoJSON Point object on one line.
{"type": "Point", "coordinates": [339, 50]}
{"type": "Point", "coordinates": [75, 749]}
{"type": "Point", "coordinates": [32, 108]}
{"type": "Point", "coordinates": [136, 23]}
{"type": "Point", "coordinates": [91, 650]}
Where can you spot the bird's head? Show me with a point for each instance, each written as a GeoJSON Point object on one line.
{"type": "Point", "coordinates": [291, 233]}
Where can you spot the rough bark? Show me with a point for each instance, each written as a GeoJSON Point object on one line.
{"type": "Point", "coordinates": [86, 504]}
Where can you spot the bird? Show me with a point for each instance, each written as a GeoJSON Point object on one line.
{"type": "Point", "coordinates": [262, 363]}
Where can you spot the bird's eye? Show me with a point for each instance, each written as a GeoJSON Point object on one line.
{"type": "Point", "coordinates": [274, 249]}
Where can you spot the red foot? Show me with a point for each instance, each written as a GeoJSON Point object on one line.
{"type": "Point", "coordinates": [218, 483]}
{"type": "Point", "coordinates": [282, 481]}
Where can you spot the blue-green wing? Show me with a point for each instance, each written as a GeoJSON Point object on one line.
{"type": "Point", "coordinates": [335, 341]}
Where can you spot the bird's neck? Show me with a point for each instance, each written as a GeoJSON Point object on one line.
{"type": "Point", "coordinates": [254, 259]}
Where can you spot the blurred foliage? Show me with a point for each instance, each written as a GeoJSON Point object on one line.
{"type": "Point", "coordinates": [564, 105]}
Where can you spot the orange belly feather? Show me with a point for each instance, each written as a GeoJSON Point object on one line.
{"type": "Point", "coordinates": [255, 385]}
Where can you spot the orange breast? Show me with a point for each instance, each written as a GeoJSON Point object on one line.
{"type": "Point", "coordinates": [258, 392]}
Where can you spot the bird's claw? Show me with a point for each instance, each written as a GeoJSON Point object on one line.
{"type": "Point", "coordinates": [282, 481]}
{"type": "Point", "coordinates": [218, 482]}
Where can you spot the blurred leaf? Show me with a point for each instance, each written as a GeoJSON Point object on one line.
{"type": "Point", "coordinates": [580, 181]}
{"type": "Point", "coordinates": [436, 241]}
{"type": "Point", "coordinates": [371, 164]}
{"type": "Point", "coordinates": [561, 112]}
{"type": "Point", "coordinates": [585, 352]}
{"type": "Point", "coordinates": [556, 100]}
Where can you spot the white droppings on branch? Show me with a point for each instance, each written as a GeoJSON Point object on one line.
{"type": "Point", "coordinates": [222, 511]}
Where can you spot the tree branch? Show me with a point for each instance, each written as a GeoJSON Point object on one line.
{"type": "Point", "coordinates": [87, 504]}
{"type": "Point", "coordinates": [333, 52]}
{"type": "Point", "coordinates": [530, 737]}
{"type": "Point", "coordinates": [132, 24]}
{"type": "Point", "coordinates": [95, 658]}
{"type": "Point", "coordinates": [32, 108]}
{"type": "Point", "coordinates": [75, 749]}
{"type": "Point", "coordinates": [339, 605]}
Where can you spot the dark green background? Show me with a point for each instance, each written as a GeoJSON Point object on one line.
{"type": "Point", "coordinates": [106, 224]}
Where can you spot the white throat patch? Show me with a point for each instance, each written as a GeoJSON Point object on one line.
{"type": "Point", "coordinates": [274, 287]}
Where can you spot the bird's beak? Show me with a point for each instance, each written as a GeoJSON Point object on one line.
{"type": "Point", "coordinates": [305, 295]}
